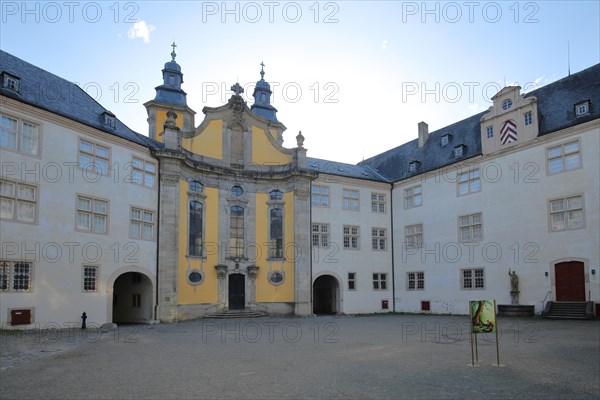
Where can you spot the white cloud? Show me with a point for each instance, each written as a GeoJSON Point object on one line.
{"type": "Point", "coordinates": [384, 44]}
{"type": "Point", "coordinates": [140, 30]}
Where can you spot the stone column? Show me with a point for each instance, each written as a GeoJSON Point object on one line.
{"type": "Point", "coordinates": [302, 267]}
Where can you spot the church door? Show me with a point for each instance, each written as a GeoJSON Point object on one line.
{"type": "Point", "coordinates": [570, 281]}
{"type": "Point", "coordinates": [237, 291]}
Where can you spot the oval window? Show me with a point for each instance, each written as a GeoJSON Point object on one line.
{"type": "Point", "coordinates": [195, 277]}
{"type": "Point", "coordinates": [506, 104]}
{"type": "Point", "coordinates": [276, 277]}
{"type": "Point", "coordinates": [237, 191]}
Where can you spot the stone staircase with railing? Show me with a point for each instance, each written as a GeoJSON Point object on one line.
{"type": "Point", "coordinates": [575, 310]}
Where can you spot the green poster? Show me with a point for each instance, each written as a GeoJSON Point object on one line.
{"type": "Point", "coordinates": [483, 316]}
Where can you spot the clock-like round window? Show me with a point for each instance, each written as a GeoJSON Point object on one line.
{"type": "Point", "coordinates": [237, 191]}
{"type": "Point", "coordinates": [506, 104]}
{"type": "Point", "coordinates": [276, 277]}
{"type": "Point", "coordinates": [195, 277]}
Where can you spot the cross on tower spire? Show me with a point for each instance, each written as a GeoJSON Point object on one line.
{"type": "Point", "coordinates": [173, 54]}
{"type": "Point", "coordinates": [262, 70]}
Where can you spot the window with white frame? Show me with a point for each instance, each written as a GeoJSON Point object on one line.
{"type": "Point", "coordinates": [567, 213]}
{"type": "Point", "coordinates": [15, 276]}
{"type": "Point", "coordinates": [378, 203]}
{"type": "Point", "coordinates": [320, 235]}
{"type": "Point", "coordinates": [459, 151]}
{"type": "Point", "coordinates": [413, 197]}
{"type": "Point", "coordinates": [489, 132]}
{"type": "Point", "coordinates": [351, 237]}
{"type": "Point", "coordinates": [350, 200]}
{"type": "Point", "coordinates": [351, 280]}
{"type": "Point", "coordinates": [93, 157]}
{"type": "Point", "coordinates": [90, 278]}
{"type": "Point", "coordinates": [196, 187]}
{"type": "Point", "coordinates": [320, 196]}
{"type": "Point", "coordinates": [378, 238]}
{"type": "Point", "coordinates": [379, 281]}
{"type": "Point", "coordinates": [444, 140]}
{"type": "Point", "coordinates": [527, 118]}
{"type": "Point", "coordinates": [195, 236]}
{"type": "Point", "coordinates": [563, 157]}
{"type": "Point", "coordinates": [11, 82]}
{"type": "Point", "coordinates": [413, 236]}
{"type": "Point", "coordinates": [472, 279]}
{"type": "Point", "coordinates": [18, 201]}
{"type": "Point", "coordinates": [143, 172]}
{"type": "Point", "coordinates": [582, 108]}
{"type": "Point", "coordinates": [141, 224]}
{"type": "Point", "coordinates": [236, 232]}
{"type": "Point", "coordinates": [470, 228]}
{"type": "Point", "coordinates": [276, 233]}
{"type": "Point", "coordinates": [415, 281]}
{"type": "Point", "coordinates": [469, 182]}
{"type": "Point", "coordinates": [19, 135]}
{"type": "Point", "coordinates": [92, 215]}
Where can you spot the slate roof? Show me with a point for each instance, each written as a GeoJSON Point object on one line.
{"type": "Point", "coordinates": [556, 111]}
{"type": "Point", "coordinates": [41, 89]}
{"type": "Point", "coordinates": [345, 170]}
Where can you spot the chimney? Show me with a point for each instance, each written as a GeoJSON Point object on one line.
{"type": "Point", "coordinates": [423, 133]}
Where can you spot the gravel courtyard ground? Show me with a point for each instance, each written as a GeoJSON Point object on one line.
{"type": "Point", "coordinates": [392, 356]}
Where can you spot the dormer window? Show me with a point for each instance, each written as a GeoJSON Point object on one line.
{"type": "Point", "coordinates": [459, 150]}
{"type": "Point", "coordinates": [506, 104]}
{"type": "Point", "coordinates": [108, 119]}
{"type": "Point", "coordinates": [413, 166]}
{"type": "Point", "coordinates": [10, 82]}
{"type": "Point", "coordinates": [445, 139]}
{"type": "Point", "coordinates": [582, 108]}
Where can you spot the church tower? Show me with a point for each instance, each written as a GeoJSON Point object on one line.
{"type": "Point", "coordinates": [262, 98]}
{"type": "Point", "coordinates": [169, 97]}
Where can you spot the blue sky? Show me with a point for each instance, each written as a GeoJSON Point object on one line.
{"type": "Point", "coordinates": [355, 77]}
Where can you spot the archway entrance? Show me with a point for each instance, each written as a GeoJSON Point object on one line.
{"type": "Point", "coordinates": [326, 295]}
{"type": "Point", "coordinates": [237, 292]}
{"type": "Point", "coordinates": [570, 281]}
{"type": "Point", "coordinates": [132, 298]}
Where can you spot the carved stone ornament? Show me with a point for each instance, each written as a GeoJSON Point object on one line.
{"type": "Point", "coordinates": [169, 180]}
{"type": "Point", "coordinates": [170, 123]}
{"type": "Point", "coordinates": [253, 270]}
{"type": "Point", "coordinates": [300, 140]}
{"type": "Point", "coordinates": [221, 270]}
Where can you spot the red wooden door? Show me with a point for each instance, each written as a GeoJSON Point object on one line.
{"type": "Point", "coordinates": [570, 281]}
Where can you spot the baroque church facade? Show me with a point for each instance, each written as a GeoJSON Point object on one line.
{"type": "Point", "coordinates": [215, 215]}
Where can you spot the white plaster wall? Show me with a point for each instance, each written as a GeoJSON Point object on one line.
{"type": "Point", "coordinates": [338, 261]}
{"type": "Point", "coordinates": [515, 216]}
{"type": "Point", "coordinates": [56, 248]}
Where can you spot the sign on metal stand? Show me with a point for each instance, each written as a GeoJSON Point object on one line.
{"type": "Point", "coordinates": [483, 320]}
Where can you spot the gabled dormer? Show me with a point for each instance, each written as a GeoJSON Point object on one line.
{"type": "Point", "coordinates": [459, 150]}
{"type": "Point", "coordinates": [10, 82]}
{"type": "Point", "coordinates": [445, 139]}
{"type": "Point", "coordinates": [582, 108]}
{"type": "Point", "coordinates": [511, 120]}
{"type": "Point", "coordinates": [414, 166]}
{"type": "Point", "coordinates": [108, 119]}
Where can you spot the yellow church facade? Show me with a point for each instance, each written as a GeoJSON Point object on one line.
{"type": "Point", "coordinates": [234, 207]}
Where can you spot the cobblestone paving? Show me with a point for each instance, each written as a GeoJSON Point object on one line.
{"type": "Point", "coordinates": [393, 357]}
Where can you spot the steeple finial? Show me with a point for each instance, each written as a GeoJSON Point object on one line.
{"type": "Point", "coordinates": [173, 54]}
{"type": "Point", "coordinates": [262, 70]}
{"type": "Point", "coordinates": [237, 89]}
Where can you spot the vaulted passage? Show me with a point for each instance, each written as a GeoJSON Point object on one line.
{"type": "Point", "coordinates": [132, 298]}
{"type": "Point", "coordinates": [326, 295]}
